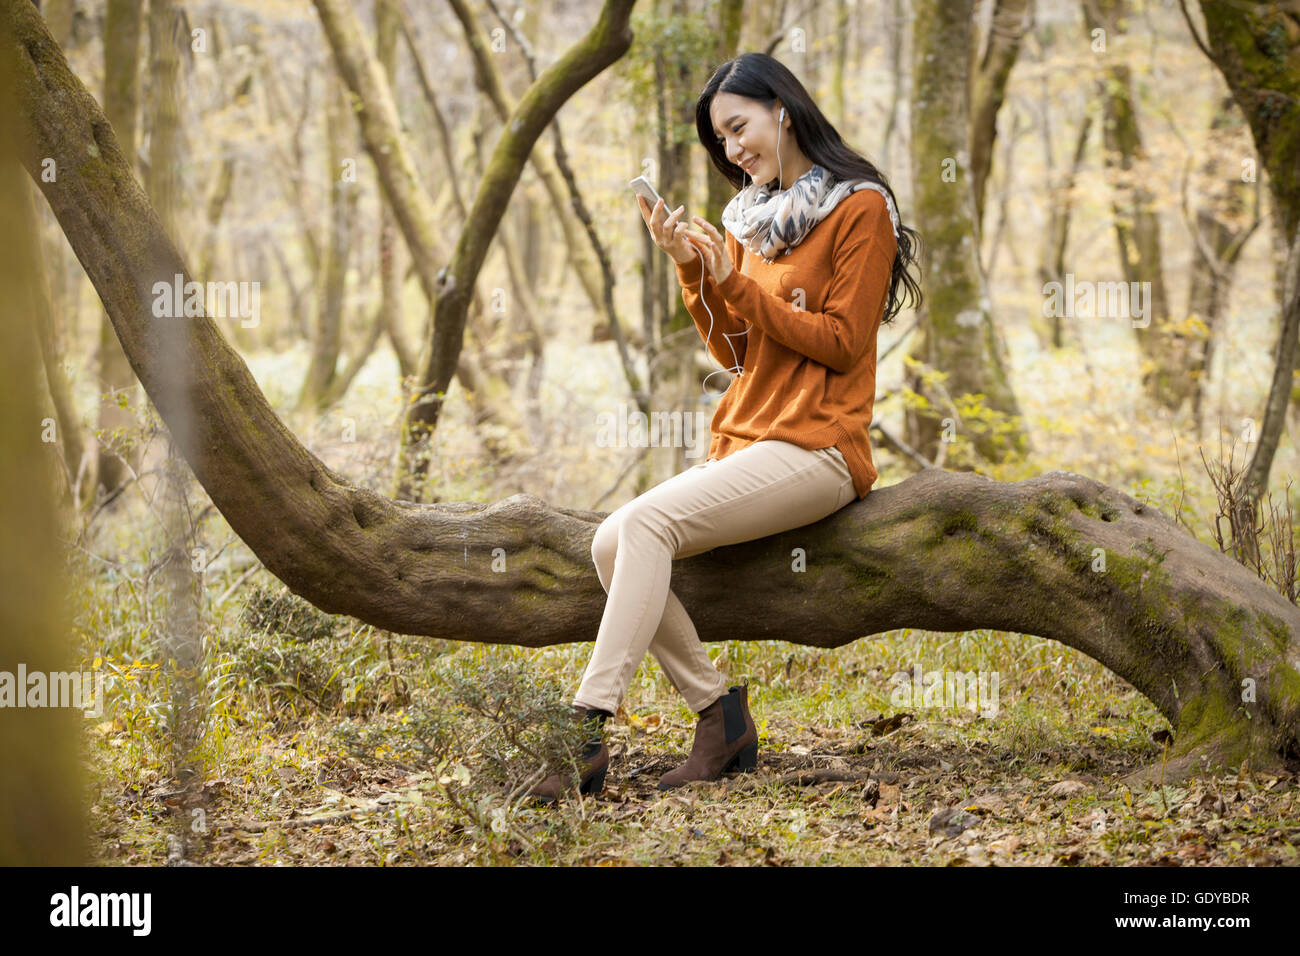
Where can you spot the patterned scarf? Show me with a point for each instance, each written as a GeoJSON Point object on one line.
{"type": "Point", "coordinates": [770, 223]}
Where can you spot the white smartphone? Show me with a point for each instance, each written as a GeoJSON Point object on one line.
{"type": "Point", "coordinates": [643, 187]}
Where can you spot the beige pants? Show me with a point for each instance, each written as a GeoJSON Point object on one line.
{"type": "Point", "coordinates": [768, 487]}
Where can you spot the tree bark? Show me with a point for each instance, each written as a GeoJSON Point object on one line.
{"type": "Point", "coordinates": [1059, 555]}
{"type": "Point", "coordinates": [959, 338]}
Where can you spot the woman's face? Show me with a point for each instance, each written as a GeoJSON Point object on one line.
{"type": "Point", "coordinates": [747, 131]}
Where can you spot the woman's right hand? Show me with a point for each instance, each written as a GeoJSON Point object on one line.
{"type": "Point", "coordinates": [668, 234]}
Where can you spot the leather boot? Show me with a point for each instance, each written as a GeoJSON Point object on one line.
{"type": "Point", "coordinates": [594, 761]}
{"type": "Point", "coordinates": [725, 739]}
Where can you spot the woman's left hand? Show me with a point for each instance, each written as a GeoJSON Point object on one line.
{"type": "Point", "coordinates": [712, 248]}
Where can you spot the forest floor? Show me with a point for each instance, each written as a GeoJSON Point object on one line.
{"type": "Point", "coordinates": [409, 762]}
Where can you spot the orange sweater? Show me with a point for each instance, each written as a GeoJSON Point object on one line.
{"type": "Point", "coordinates": [810, 354]}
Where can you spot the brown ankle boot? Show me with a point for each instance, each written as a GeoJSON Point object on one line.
{"type": "Point", "coordinates": [594, 762]}
{"type": "Point", "coordinates": [725, 739]}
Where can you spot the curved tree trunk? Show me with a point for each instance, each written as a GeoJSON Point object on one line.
{"type": "Point", "coordinates": [1060, 555]}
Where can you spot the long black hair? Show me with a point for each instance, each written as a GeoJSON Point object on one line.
{"type": "Point", "coordinates": [758, 76]}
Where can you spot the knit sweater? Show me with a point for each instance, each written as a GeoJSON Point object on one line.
{"type": "Point", "coordinates": [809, 357]}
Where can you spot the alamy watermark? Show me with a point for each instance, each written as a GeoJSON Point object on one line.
{"type": "Point", "coordinates": [179, 298]}
{"type": "Point", "coordinates": [75, 908]}
{"type": "Point", "coordinates": [975, 690]}
{"type": "Point", "coordinates": [1098, 300]}
{"type": "Point", "coordinates": [53, 689]}
{"type": "Point", "coordinates": [689, 430]}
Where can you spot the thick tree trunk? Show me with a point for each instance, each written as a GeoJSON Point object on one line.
{"type": "Point", "coordinates": [960, 337]}
{"type": "Point", "coordinates": [1060, 555]}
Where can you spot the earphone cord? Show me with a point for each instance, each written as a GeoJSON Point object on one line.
{"type": "Point", "coordinates": [737, 369]}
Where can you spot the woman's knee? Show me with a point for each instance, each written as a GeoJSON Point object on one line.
{"type": "Point", "coordinates": [604, 546]}
{"type": "Point", "coordinates": [647, 525]}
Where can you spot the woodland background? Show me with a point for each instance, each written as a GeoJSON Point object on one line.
{"type": "Point", "coordinates": [291, 734]}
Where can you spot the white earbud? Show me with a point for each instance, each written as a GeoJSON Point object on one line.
{"type": "Point", "coordinates": [779, 171]}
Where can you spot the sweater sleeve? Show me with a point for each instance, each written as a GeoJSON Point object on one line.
{"type": "Point", "coordinates": [689, 275]}
{"type": "Point", "coordinates": [840, 335]}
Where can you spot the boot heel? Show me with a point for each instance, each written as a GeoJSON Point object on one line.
{"type": "Point", "coordinates": [596, 783]}
{"type": "Point", "coordinates": [745, 761]}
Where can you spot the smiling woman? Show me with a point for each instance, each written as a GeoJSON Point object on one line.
{"type": "Point", "coordinates": [789, 438]}
{"type": "Point", "coordinates": [752, 140]}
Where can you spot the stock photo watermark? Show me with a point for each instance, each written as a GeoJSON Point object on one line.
{"type": "Point", "coordinates": [53, 689]}
{"type": "Point", "coordinates": [946, 689]}
{"type": "Point", "coordinates": [1098, 300]}
{"type": "Point", "coordinates": [75, 908]}
{"type": "Point", "coordinates": [178, 298]}
{"type": "Point", "coordinates": [689, 430]}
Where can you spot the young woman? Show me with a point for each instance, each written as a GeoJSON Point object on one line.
{"type": "Point", "coordinates": [791, 301]}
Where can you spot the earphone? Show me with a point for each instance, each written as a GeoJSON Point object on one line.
{"type": "Point", "coordinates": [738, 369]}
{"type": "Point", "coordinates": [779, 127]}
